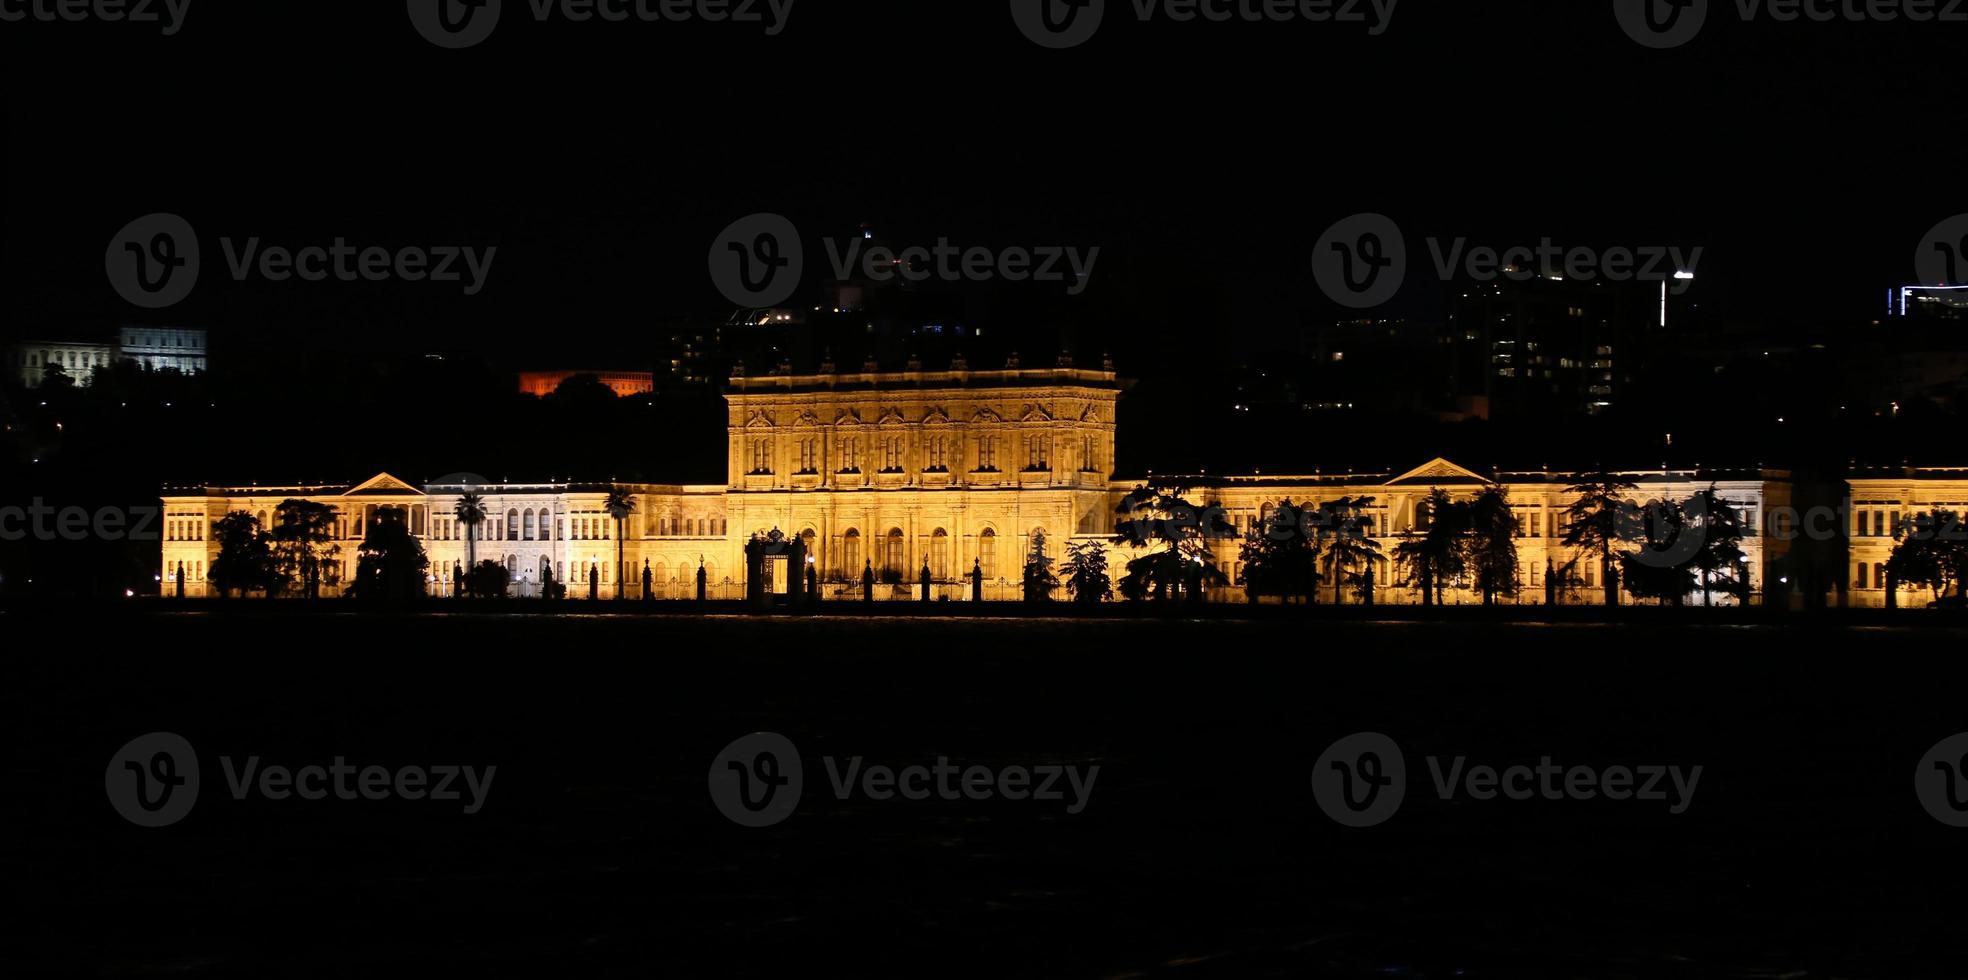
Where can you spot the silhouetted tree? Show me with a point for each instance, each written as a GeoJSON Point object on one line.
{"type": "Point", "coordinates": [1491, 546]}
{"type": "Point", "coordinates": [1039, 579]}
{"type": "Point", "coordinates": [1281, 554]}
{"type": "Point", "coordinates": [1344, 528]}
{"type": "Point", "coordinates": [390, 564]}
{"type": "Point", "coordinates": [303, 532]}
{"type": "Point", "coordinates": [1664, 568]}
{"type": "Point", "coordinates": [1721, 528]}
{"type": "Point", "coordinates": [55, 377]}
{"type": "Point", "coordinates": [1932, 552]}
{"type": "Point", "coordinates": [470, 512]}
{"type": "Point", "coordinates": [488, 579]}
{"type": "Point", "coordinates": [245, 559]}
{"type": "Point", "coordinates": [1434, 556]}
{"type": "Point", "coordinates": [1086, 573]}
{"type": "Point", "coordinates": [1599, 521]}
{"type": "Point", "coordinates": [619, 505]}
{"type": "Point", "coordinates": [1160, 518]}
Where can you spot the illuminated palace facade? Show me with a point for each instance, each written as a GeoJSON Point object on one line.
{"type": "Point", "coordinates": [949, 469]}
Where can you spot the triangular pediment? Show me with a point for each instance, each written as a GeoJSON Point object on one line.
{"type": "Point", "coordinates": [1438, 472]}
{"type": "Point", "coordinates": [986, 415]}
{"type": "Point", "coordinates": [848, 418]}
{"type": "Point", "coordinates": [1035, 413]}
{"type": "Point", "coordinates": [892, 417]}
{"type": "Point", "coordinates": [382, 483]}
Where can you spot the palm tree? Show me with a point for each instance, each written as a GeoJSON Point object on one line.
{"type": "Point", "coordinates": [470, 512]}
{"type": "Point", "coordinates": [619, 506]}
{"type": "Point", "coordinates": [1599, 520]}
{"type": "Point", "coordinates": [1344, 526]}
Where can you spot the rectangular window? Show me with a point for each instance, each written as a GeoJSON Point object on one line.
{"type": "Point", "coordinates": [1860, 580]}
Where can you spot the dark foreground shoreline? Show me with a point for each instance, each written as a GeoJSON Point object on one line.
{"type": "Point", "coordinates": [1201, 852]}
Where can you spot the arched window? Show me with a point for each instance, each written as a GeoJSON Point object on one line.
{"type": "Point", "coordinates": [530, 526]}
{"type": "Point", "coordinates": [811, 544]}
{"type": "Point", "coordinates": [892, 560]}
{"type": "Point", "coordinates": [512, 526]}
{"type": "Point", "coordinates": [710, 573]}
{"type": "Point", "coordinates": [850, 565]}
{"type": "Point", "coordinates": [659, 573]}
{"type": "Point", "coordinates": [987, 552]}
{"type": "Point", "coordinates": [939, 554]}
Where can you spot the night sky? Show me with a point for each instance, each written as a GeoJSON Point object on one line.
{"type": "Point", "coordinates": [1807, 160]}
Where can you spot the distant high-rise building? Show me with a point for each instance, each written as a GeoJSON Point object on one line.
{"type": "Point", "coordinates": [1549, 344]}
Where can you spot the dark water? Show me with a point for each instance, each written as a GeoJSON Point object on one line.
{"type": "Point", "coordinates": [1201, 851]}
